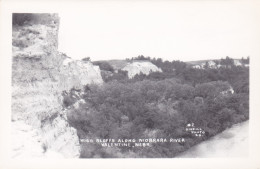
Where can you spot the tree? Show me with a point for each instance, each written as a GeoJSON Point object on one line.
{"type": "Point", "coordinates": [217, 62]}
{"type": "Point", "coordinates": [206, 66]}
{"type": "Point", "coordinates": [245, 61]}
{"type": "Point", "coordinates": [160, 105]}
{"type": "Point", "coordinates": [227, 62]}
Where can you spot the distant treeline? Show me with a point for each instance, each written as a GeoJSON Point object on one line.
{"type": "Point", "coordinates": [169, 66]}
{"type": "Point", "coordinates": [237, 76]}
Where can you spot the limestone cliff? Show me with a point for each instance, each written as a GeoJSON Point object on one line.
{"type": "Point", "coordinates": [39, 76]}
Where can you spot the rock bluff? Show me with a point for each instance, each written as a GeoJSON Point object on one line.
{"type": "Point", "coordinates": [39, 76]}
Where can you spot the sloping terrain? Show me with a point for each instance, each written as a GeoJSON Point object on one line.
{"type": "Point", "coordinates": [38, 79]}
{"type": "Point", "coordinates": [232, 142]}
{"type": "Point", "coordinates": [118, 64]}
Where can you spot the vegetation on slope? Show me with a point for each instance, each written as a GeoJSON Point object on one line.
{"type": "Point", "coordinates": [160, 105]}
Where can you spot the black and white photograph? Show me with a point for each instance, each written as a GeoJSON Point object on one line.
{"type": "Point", "coordinates": [132, 80]}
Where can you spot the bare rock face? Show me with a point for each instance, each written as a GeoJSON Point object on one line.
{"type": "Point", "coordinates": [39, 124]}
{"type": "Point", "coordinates": [76, 73]}
{"type": "Point", "coordinates": [140, 66]}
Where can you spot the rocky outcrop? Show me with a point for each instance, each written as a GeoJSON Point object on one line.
{"type": "Point", "coordinates": [39, 76]}
{"type": "Point", "coordinates": [137, 67]}
{"type": "Point", "coordinates": [77, 73]}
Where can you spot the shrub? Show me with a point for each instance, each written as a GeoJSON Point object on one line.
{"type": "Point", "coordinates": [68, 101]}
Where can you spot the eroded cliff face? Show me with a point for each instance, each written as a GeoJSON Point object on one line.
{"type": "Point", "coordinates": [140, 66]}
{"type": "Point", "coordinates": [39, 76]}
{"type": "Point", "coordinates": [77, 73]}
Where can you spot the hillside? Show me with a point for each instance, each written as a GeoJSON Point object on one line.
{"type": "Point", "coordinates": [39, 77]}
{"type": "Point", "coordinates": [118, 64]}
{"type": "Point", "coordinates": [232, 142]}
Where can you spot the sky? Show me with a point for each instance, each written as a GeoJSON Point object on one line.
{"type": "Point", "coordinates": [171, 30]}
